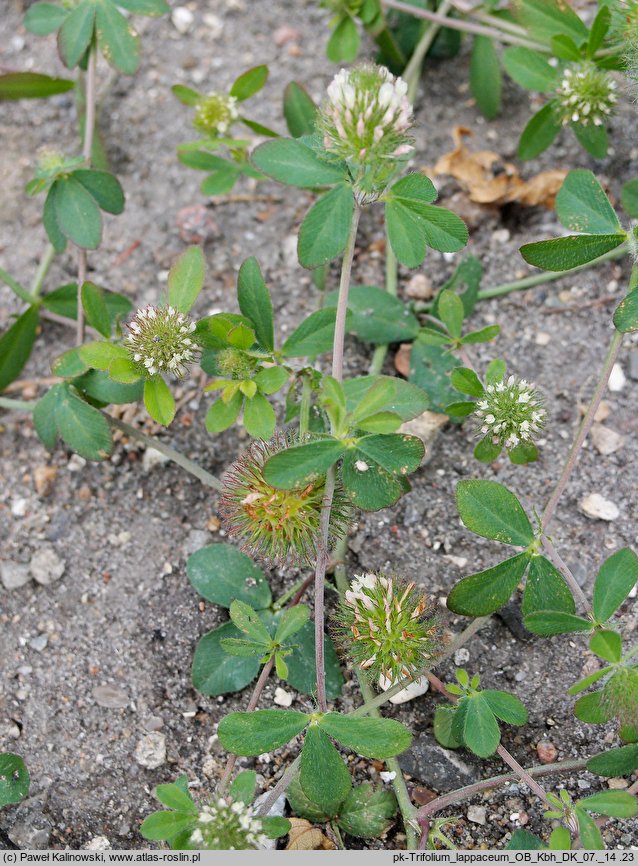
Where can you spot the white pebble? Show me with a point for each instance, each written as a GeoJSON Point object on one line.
{"type": "Point", "coordinates": [617, 380]}
{"type": "Point", "coordinates": [413, 690]}
{"type": "Point", "coordinates": [387, 777]}
{"type": "Point", "coordinates": [182, 19]}
{"type": "Point", "coordinates": [542, 339]}
{"type": "Point", "coordinates": [599, 508]}
{"type": "Point", "coordinates": [282, 697]}
{"type": "Point", "coordinates": [151, 751]}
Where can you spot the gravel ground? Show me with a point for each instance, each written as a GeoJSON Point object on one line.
{"type": "Point", "coordinates": [96, 656]}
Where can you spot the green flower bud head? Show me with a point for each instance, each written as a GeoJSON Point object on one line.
{"type": "Point", "coordinates": [282, 526]}
{"type": "Point", "coordinates": [511, 412]}
{"type": "Point", "coordinates": [365, 120]}
{"type": "Point", "coordinates": [235, 363]}
{"type": "Point", "coordinates": [620, 695]}
{"type": "Point", "coordinates": [227, 826]}
{"type": "Point", "coordinates": [49, 161]}
{"type": "Point", "coordinates": [160, 340]}
{"type": "Point", "coordinates": [215, 114]}
{"type": "Point", "coordinates": [343, 7]}
{"type": "Point", "coordinates": [587, 95]}
{"type": "Point", "coordinates": [386, 627]}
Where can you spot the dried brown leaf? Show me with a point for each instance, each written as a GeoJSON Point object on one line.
{"type": "Point", "coordinates": [302, 836]}
{"type": "Point", "coordinates": [490, 180]}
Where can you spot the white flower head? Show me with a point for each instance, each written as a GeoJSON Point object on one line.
{"type": "Point", "coordinates": [215, 114]}
{"type": "Point", "coordinates": [161, 340]}
{"type": "Point", "coordinates": [511, 413]}
{"type": "Point", "coordinates": [224, 825]}
{"type": "Point", "coordinates": [586, 95]}
{"type": "Point", "coordinates": [366, 118]}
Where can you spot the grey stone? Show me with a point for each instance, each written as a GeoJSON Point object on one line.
{"type": "Point", "coordinates": [110, 697]}
{"type": "Point", "coordinates": [31, 828]}
{"type": "Point", "coordinates": [46, 566]}
{"type": "Point", "coordinates": [14, 574]}
{"type": "Point", "coordinates": [195, 540]}
{"type": "Point", "coordinates": [151, 751]}
{"type": "Point", "coordinates": [437, 767]}
{"type": "Point", "coordinates": [633, 365]}
{"type": "Point", "coordinates": [511, 615]}
{"type": "Point", "coordinates": [39, 643]}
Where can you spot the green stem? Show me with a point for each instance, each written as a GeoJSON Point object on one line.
{"type": "Point", "coordinates": [43, 269]}
{"type": "Point", "coordinates": [326, 506]}
{"type": "Point", "coordinates": [391, 280]}
{"type": "Point", "coordinates": [337, 834]}
{"type": "Point", "coordinates": [15, 286]}
{"type": "Point", "coordinates": [304, 408]}
{"type": "Point", "coordinates": [412, 70]}
{"type": "Point", "coordinates": [464, 26]}
{"type": "Point", "coordinates": [87, 149]}
{"type": "Point", "coordinates": [19, 405]}
{"type": "Point", "coordinates": [281, 601]}
{"type": "Point", "coordinates": [176, 456]}
{"type": "Point", "coordinates": [535, 280]}
{"type": "Point", "coordinates": [408, 810]}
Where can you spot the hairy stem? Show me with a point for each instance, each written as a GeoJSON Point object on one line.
{"type": "Point", "coordinates": [304, 408]}
{"type": "Point", "coordinates": [564, 569]}
{"type": "Point", "coordinates": [583, 430]}
{"type": "Point", "coordinates": [465, 26]}
{"type": "Point", "coordinates": [431, 808]}
{"type": "Point", "coordinates": [326, 506]}
{"type": "Point", "coordinates": [391, 281]}
{"type": "Point", "coordinates": [87, 147]}
{"type": "Point", "coordinates": [252, 704]}
{"type": "Point", "coordinates": [280, 787]}
{"type": "Point", "coordinates": [19, 405]}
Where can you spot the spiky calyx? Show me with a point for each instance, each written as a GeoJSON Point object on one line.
{"type": "Point", "coordinates": [510, 412]}
{"type": "Point", "coordinates": [620, 695]}
{"type": "Point", "coordinates": [215, 114]}
{"type": "Point", "coordinates": [586, 95]}
{"type": "Point", "coordinates": [387, 627]}
{"type": "Point", "coordinates": [365, 120]}
{"type": "Point", "coordinates": [282, 526]}
{"type": "Point", "coordinates": [224, 825]}
{"type": "Point", "coordinates": [160, 340]}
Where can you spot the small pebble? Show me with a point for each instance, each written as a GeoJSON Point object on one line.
{"type": "Point", "coordinates": [14, 574]}
{"type": "Point", "coordinates": [606, 440]}
{"type": "Point", "coordinates": [599, 508]}
{"type": "Point", "coordinates": [19, 507]}
{"type": "Point", "coordinates": [282, 697]}
{"type": "Point", "coordinates": [214, 23]}
{"type": "Point", "coordinates": [182, 19]}
{"type": "Point", "coordinates": [76, 463]}
{"type": "Point", "coordinates": [500, 236]}
{"type": "Point", "coordinates": [461, 656]}
{"type": "Point", "coordinates": [385, 776]}
{"type": "Point", "coordinates": [542, 339]}
{"type": "Point", "coordinates": [152, 458]}
{"type": "Point", "coordinates": [546, 751]}
{"type": "Point", "coordinates": [43, 478]}
{"type": "Point", "coordinates": [46, 566]}
{"type": "Point", "coordinates": [151, 751]}
{"type": "Point", "coordinates": [110, 697]}
{"type": "Point", "coordinates": [98, 843]}
{"type": "Point", "coordinates": [477, 814]}
{"type": "Point", "coordinates": [414, 690]}
{"type": "Point", "coordinates": [419, 288]}
{"type": "Point", "coordinates": [617, 783]}
{"type": "Point", "coordinates": [39, 643]}
{"type": "Point", "coordinates": [617, 380]}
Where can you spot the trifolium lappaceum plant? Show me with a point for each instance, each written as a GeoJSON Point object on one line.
{"type": "Point", "coordinates": [356, 443]}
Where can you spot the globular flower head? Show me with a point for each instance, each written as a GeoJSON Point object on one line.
{"type": "Point", "coordinates": [365, 120]}
{"type": "Point", "coordinates": [624, 31]}
{"type": "Point", "coordinates": [386, 627]}
{"type": "Point", "coordinates": [279, 525]}
{"type": "Point", "coordinates": [586, 95]}
{"type": "Point", "coordinates": [224, 825]}
{"type": "Point", "coordinates": [620, 695]}
{"type": "Point", "coordinates": [510, 412]}
{"type": "Point", "coordinates": [215, 114]}
{"type": "Point", "coordinates": [160, 340]}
